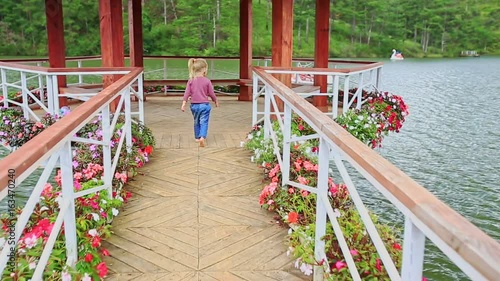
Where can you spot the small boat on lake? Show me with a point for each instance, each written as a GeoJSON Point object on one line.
{"type": "Point", "coordinates": [396, 55]}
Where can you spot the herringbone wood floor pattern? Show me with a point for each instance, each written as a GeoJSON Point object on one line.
{"type": "Point", "coordinates": [194, 214]}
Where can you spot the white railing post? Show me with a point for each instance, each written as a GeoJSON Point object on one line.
{"type": "Point", "coordinates": [413, 252]}
{"type": "Point", "coordinates": [128, 121]}
{"type": "Point", "coordinates": [255, 98]}
{"type": "Point", "coordinates": [335, 97]}
{"type": "Point", "coordinates": [140, 92]}
{"type": "Point", "coordinates": [66, 158]}
{"type": "Point", "coordinates": [107, 135]}
{"type": "Point", "coordinates": [55, 93]}
{"type": "Point", "coordinates": [40, 87]}
{"type": "Point", "coordinates": [24, 95]}
{"type": "Point", "coordinates": [50, 94]}
{"type": "Point", "coordinates": [379, 77]}
{"type": "Point", "coordinates": [5, 93]}
{"type": "Point", "coordinates": [80, 77]}
{"type": "Point", "coordinates": [287, 131]}
{"type": "Point", "coordinates": [321, 212]}
{"type": "Point", "coordinates": [360, 90]}
{"type": "Point", "coordinates": [267, 112]}
{"type": "Point", "coordinates": [345, 103]}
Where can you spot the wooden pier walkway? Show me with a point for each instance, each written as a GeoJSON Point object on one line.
{"type": "Point", "coordinates": [194, 214]}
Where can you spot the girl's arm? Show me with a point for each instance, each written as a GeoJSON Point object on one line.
{"type": "Point", "coordinates": [187, 94]}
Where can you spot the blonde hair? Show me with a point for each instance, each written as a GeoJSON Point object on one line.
{"type": "Point", "coordinates": [197, 66]}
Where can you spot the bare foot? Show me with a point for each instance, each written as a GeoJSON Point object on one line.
{"type": "Point", "coordinates": [197, 140]}
{"type": "Point", "coordinates": [202, 142]}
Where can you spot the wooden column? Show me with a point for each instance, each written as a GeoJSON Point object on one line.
{"type": "Point", "coordinates": [245, 49]}
{"type": "Point", "coordinates": [282, 39]}
{"type": "Point", "coordinates": [321, 50]}
{"type": "Point", "coordinates": [135, 33]}
{"type": "Point", "coordinates": [55, 34]}
{"type": "Point", "coordinates": [136, 45]}
{"type": "Point", "coordinates": [112, 46]}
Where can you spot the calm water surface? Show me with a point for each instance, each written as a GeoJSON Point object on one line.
{"type": "Point", "coordinates": [449, 143]}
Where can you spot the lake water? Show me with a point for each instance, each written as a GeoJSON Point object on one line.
{"type": "Point", "coordinates": [449, 143]}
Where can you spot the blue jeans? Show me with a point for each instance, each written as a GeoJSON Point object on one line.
{"type": "Point", "coordinates": [201, 114]}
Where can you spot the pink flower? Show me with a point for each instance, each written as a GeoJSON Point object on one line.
{"type": "Point", "coordinates": [354, 252]}
{"type": "Point", "coordinates": [302, 180]}
{"type": "Point", "coordinates": [102, 269]}
{"type": "Point", "coordinates": [304, 193]}
{"type": "Point", "coordinates": [339, 265]}
{"type": "Point", "coordinates": [291, 190]}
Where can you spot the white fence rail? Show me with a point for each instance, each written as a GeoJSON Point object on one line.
{"type": "Point", "coordinates": [48, 90]}
{"type": "Point", "coordinates": [365, 79]}
{"type": "Point", "coordinates": [53, 146]}
{"type": "Point", "coordinates": [475, 253]}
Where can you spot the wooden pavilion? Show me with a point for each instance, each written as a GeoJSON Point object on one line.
{"type": "Point", "coordinates": [112, 42]}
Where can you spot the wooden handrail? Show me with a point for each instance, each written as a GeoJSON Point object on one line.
{"type": "Point", "coordinates": [27, 155]}
{"type": "Point", "coordinates": [475, 247]}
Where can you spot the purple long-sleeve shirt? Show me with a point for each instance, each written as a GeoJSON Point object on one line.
{"type": "Point", "coordinates": [199, 89]}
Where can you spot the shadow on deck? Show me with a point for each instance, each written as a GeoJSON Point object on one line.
{"type": "Point", "coordinates": [194, 214]}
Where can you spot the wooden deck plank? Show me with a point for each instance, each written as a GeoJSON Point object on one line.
{"type": "Point", "coordinates": [195, 212]}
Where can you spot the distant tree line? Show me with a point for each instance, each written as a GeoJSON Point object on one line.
{"type": "Point", "coordinates": [418, 28]}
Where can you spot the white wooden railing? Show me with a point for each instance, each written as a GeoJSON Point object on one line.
{"type": "Point", "coordinates": [53, 147]}
{"type": "Point", "coordinates": [475, 253]}
{"type": "Point", "coordinates": [48, 85]}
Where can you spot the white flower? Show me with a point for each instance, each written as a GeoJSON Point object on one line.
{"type": "Point", "coordinates": [115, 212]}
{"type": "Point", "coordinates": [252, 159]}
{"type": "Point", "coordinates": [242, 143]}
{"type": "Point", "coordinates": [306, 269]}
{"type": "Point", "coordinates": [95, 216]}
{"type": "Point", "coordinates": [30, 241]}
{"type": "Point", "coordinates": [93, 232]}
{"type": "Point", "coordinates": [258, 133]}
{"type": "Point", "coordinates": [103, 201]}
{"type": "Point", "coordinates": [44, 208]}
{"type": "Point", "coordinates": [290, 231]}
{"type": "Point", "coordinates": [336, 212]}
{"type": "Point", "coordinates": [119, 198]}
{"type": "Point", "coordinates": [86, 277]}
{"type": "Point", "coordinates": [66, 276]}
{"type": "Point", "coordinates": [250, 136]}
{"type": "Point", "coordinates": [361, 117]}
{"type": "Point", "coordinates": [59, 200]}
{"type": "Point", "coordinates": [32, 265]}
{"type": "Point", "coordinates": [297, 265]}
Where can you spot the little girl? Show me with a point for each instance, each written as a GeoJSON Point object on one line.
{"type": "Point", "coordinates": [199, 88]}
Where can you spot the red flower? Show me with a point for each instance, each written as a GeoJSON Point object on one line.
{"type": "Point", "coordinates": [103, 269]}
{"type": "Point", "coordinates": [96, 241]}
{"type": "Point", "coordinates": [293, 217]}
{"type": "Point", "coordinates": [378, 265]}
{"type": "Point", "coordinates": [396, 246]}
{"type": "Point", "coordinates": [89, 257]}
{"type": "Point", "coordinates": [105, 252]}
{"type": "Point", "coordinates": [148, 149]}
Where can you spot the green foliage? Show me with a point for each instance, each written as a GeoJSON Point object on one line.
{"type": "Point", "coordinates": [296, 209]}
{"type": "Point", "coordinates": [195, 27]}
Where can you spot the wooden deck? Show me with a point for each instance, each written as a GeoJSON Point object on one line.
{"type": "Point", "coordinates": [194, 214]}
